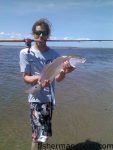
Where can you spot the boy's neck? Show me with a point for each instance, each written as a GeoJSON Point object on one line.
{"type": "Point", "coordinates": [41, 47]}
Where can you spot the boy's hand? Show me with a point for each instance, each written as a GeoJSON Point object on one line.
{"type": "Point", "coordinates": [45, 83]}
{"type": "Point", "coordinates": [60, 76]}
{"type": "Point", "coordinates": [67, 67]}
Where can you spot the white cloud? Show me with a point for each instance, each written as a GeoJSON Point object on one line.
{"type": "Point", "coordinates": [10, 35]}
{"type": "Point", "coordinates": [83, 39]}
{"type": "Point", "coordinates": [69, 38]}
{"type": "Point", "coordinates": [2, 33]}
{"type": "Point", "coordinates": [53, 38]}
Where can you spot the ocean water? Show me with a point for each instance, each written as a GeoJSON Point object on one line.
{"type": "Point", "coordinates": [84, 100]}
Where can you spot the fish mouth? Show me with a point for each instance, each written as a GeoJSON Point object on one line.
{"type": "Point", "coordinates": [76, 60]}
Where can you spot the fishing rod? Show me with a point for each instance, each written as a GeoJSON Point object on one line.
{"type": "Point", "coordinates": [53, 40]}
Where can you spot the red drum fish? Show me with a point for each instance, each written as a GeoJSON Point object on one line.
{"type": "Point", "coordinates": [50, 71]}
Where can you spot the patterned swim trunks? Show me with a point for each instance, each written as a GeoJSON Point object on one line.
{"type": "Point", "coordinates": [40, 117]}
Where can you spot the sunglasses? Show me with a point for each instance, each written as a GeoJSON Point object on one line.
{"type": "Point", "coordinates": [44, 33]}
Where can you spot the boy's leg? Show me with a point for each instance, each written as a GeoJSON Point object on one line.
{"type": "Point", "coordinates": [40, 116]}
{"type": "Point", "coordinates": [36, 146]}
{"type": "Point", "coordinates": [39, 145]}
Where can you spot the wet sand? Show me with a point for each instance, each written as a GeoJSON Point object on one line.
{"type": "Point", "coordinates": [82, 112]}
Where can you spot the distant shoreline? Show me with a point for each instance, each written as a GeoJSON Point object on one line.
{"type": "Point", "coordinates": [58, 47]}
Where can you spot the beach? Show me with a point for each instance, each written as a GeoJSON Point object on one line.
{"type": "Point", "coordinates": [84, 100]}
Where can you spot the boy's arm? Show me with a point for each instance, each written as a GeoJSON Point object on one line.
{"type": "Point", "coordinates": [34, 79]}
{"type": "Point", "coordinates": [30, 79]}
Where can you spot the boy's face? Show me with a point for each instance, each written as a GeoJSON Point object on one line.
{"type": "Point", "coordinates": [41, 34]}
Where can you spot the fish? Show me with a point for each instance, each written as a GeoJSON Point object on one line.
{"type": "Point", "coordinates": [50, 71]}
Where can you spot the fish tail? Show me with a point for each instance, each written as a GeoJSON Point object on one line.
{"type": "Point", "coordinates": [33, 89]}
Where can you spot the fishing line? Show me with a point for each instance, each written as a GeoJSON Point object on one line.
{"type": "Point", "coordinates": [52, 40]}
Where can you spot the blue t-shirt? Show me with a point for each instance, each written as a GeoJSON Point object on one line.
{"type": "Point", "coordinates": [33, 64]}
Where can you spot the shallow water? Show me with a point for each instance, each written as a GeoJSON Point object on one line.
{"type": "Point", "coordinates": [84, 105]}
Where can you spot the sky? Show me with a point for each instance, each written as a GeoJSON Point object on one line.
{"type": "Point", "coordinates": [70, 19]}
